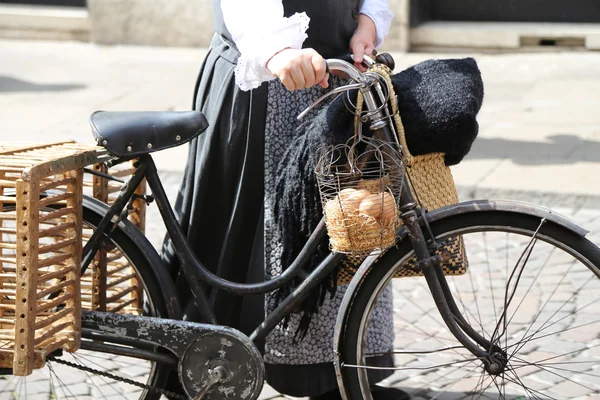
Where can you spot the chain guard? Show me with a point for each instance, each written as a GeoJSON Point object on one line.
{"type": "Point", "coordinates": [201, 350]}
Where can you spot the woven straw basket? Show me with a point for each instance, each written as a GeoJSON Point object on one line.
{"type": "Point", "coordinates": [432, 183]}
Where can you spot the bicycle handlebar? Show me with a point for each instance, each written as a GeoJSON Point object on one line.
{"type": "Point", "coordinates": [344, 64]}
{"type": "Point", "coordinates": [363, 80]}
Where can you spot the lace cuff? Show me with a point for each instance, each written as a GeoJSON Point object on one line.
{"type": "Point", "coordinates": [251, 71]}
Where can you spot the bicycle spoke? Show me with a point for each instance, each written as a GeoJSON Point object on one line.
{"type": "Point", "coordinates": [91, 379]}
{"type": "Point", "coordinates": [497, 387]}
{"type": "Point", "coordinates": [476, 301]}
{"type": "Point", "coordinates": [414, 351]}
{"type": "Point", "coordinates": [531, 339]}
{"type": "Point", "coordinates": [551, 365]}
{"type": "Point", "coordinates": [479, 382]}
{"type": "Point", "coordinates": [20, 387]}
{"type": "Point", "coordinates": [113, 384]}
{"type": "Point", "coordinates": [562, 376]}
{"type": "Point", "coordinates": [410, 368]}
{"type": "Point", "coordinates": [532, 283]}
{"type": "Point", "coordinates": [8, 382]}
{"type": "Point", "coordinates": [467, 313]}
{"type": "Point", "coordinates": [517, 381]}
{"type": "Point", "coordinates": [53, 392]}
{"type": "Point", "coordinates": [487, 259]}
{"type": "Point", "coordinates": [504, 384]}
{"type": "Point", "coordinates": [457, 380]}
{"type": "Point", "coordinates": [547, 301]}
{"type": "Point", "coordinates": [61, 383]}
{"type": "Point", "coordinates": [428, 335]}
{"type": "Point", "coordinates": [562, 355]}
{"type": "Point", "coordinates": [483, 390]}
{"type": "Point", "coordinates": [508, 298]}
{"type": "Point", "coordinates": [104, 357]}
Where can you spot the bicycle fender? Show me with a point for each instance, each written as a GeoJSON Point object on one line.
{"type": "Point", "coordinates": [154, 261]}
{"type": "Point", "coordinates": [473, 206]}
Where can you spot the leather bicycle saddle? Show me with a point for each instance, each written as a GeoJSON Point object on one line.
{"type": "Point", "coordinates": [126, 134]}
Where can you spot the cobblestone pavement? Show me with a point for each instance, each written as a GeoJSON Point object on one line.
{"type": "Point", "coordinates": [418, 327]}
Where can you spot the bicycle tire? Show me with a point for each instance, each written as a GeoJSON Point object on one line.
{"type": "Point", "coordinates": [352, 338]}
{"type": "Point", "coordinates": [67, 382]}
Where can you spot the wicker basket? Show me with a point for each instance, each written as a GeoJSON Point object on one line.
{"type": "Point", "coordinates": [431, 182]}
{"type": "Point", "coordinates": [40, 250]}
{"type": "Point", "coordinates": [41, 237]}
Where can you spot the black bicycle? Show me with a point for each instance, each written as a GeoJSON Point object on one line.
{"type": "Point", "coordinates": [521, 323]}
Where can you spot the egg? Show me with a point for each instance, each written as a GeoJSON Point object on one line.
{"type": "Point", "coordinates": [345, 193]}
{"type": "Point", "coordinates": [389, 208]}
{"type": "Point", "coordinates": [371, 205]}
{"type": "Point", "coordinates": [358, 195]}
{"type": "Point", "coordinates": [350, 199]}
{"type": "Point", "coordinates": [380, 205]}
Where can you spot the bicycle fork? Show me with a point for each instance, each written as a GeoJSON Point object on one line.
{"type": "Point", "coordinates": [492, 356]}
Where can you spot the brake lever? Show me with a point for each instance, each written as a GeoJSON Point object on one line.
{"type": "Point", "coordinates": [367, 61]}
{"type": "Point", "coordinates": [328, 94]}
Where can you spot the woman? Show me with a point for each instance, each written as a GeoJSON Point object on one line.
{"type": "Point", "coordinates": [225, 202]}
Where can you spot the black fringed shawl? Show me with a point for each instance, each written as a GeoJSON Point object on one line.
{"type": "Point", "coordinates": [438, 101]}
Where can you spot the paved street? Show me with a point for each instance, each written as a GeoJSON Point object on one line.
{"type": "Point", "coordinates": [539, 141]}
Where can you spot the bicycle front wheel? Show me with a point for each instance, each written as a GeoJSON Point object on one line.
{"type": "Point", "coordinates": [531, 289]}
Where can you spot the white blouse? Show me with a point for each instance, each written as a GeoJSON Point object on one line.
{"type": "Point", "coordinates": [260, 30]}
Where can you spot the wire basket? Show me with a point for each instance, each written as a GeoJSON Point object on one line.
{"type": "Point", "coordinates": [359, 185]}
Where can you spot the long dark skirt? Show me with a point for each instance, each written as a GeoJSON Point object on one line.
{"type": "Point", "coordinates": [219, 204]}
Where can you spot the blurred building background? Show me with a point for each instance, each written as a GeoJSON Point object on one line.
{"type": "Point", "coordinates": [419, 24]}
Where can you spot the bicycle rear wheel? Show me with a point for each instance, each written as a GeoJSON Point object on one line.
{"type": "Point", "coordinates": [133, 289]}
{"type": "Point", "coordinates": [531, 289]}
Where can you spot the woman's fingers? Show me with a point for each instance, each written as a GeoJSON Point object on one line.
{"type": "Point", "coordinates": [298, 76]}
{"type": "Point", "coordinates": [298, 68]}
{"type": "Point", "coordinates": [320, 68]}
{"type": "Point", "coordinates": [286, 80]}
{"type": "Point", "coordinates": [308, 70]}
{"type": "Point", "coordinates": [358, 50]}
{"type": "Point", "coordinates": [325, 81]}
{"type": "Point", "coordinates": [363, 40]}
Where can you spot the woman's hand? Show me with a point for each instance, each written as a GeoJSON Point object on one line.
{"type": "Point", "coordinates": [363, 40]}
{"type": "Point", "coordinates": [299, 68]}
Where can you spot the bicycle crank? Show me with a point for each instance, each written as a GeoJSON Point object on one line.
{"type": "Point", "coordinates": [214, 362]}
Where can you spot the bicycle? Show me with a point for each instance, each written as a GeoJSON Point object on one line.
{"type": "Point", "coordinates": [480, 342]}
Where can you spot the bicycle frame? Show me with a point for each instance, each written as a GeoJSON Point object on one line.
{"type": "Point", "coordinates": [196, 273]}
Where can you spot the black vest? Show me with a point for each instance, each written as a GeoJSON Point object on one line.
{"type": "Point", "coordinates": [332, 23]}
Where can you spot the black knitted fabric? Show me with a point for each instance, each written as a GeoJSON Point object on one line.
{"type": "Point", "coordinates": [438, 101]}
